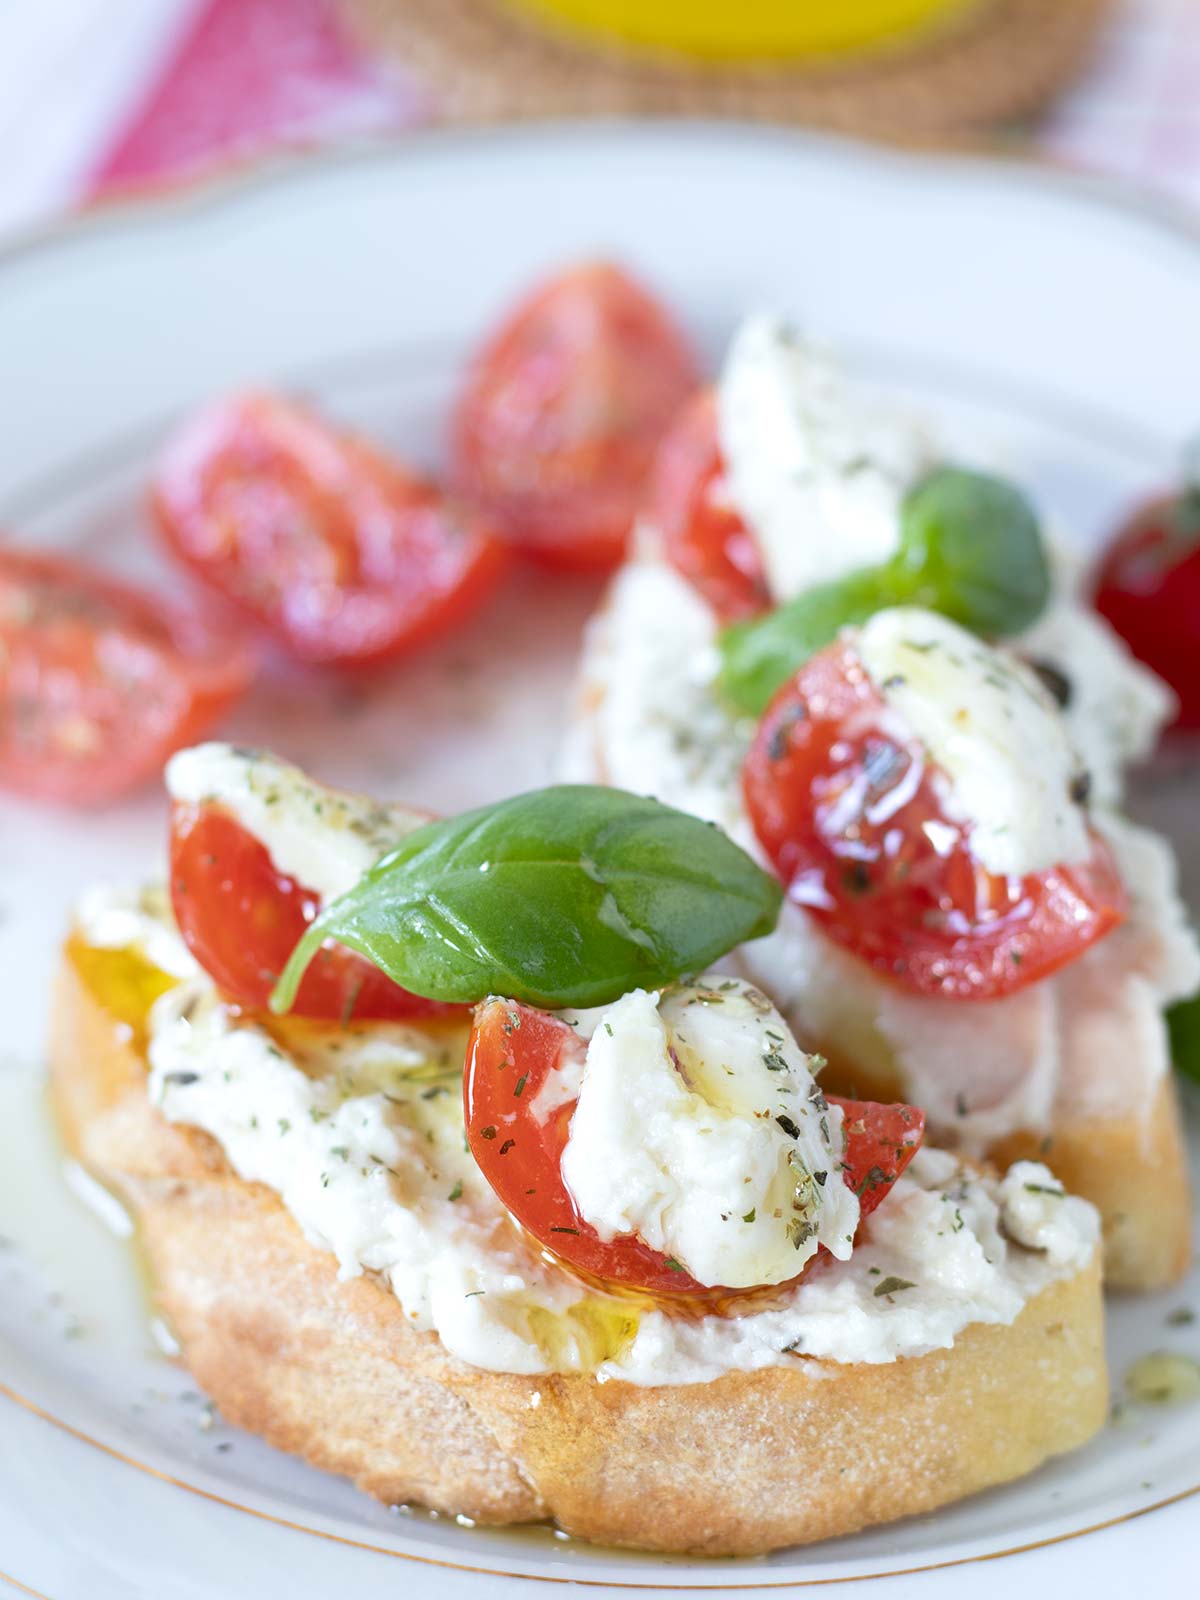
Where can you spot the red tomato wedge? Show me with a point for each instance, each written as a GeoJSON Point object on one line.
{"type": "Point", "coordinates": [241, 919]}
{"type": "Point", "coordinates": [100, 682]}
{"type": "Point", "coordinates": [1148, 587]}
{"type": "Point", "coordinates": [563, 409]}
{"type": "Point", "coordinates": [343, 553]}
{"type": "Point", "coordinates": [703, 535]}
{"type": "Point", "coordinates": [852, 823]}
{"type": "Point", "coordinates": [513, 1051]}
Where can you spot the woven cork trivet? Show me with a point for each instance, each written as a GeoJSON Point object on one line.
{"type": "Point", "coordinates": [997, 61]}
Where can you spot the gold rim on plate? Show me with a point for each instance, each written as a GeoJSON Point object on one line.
{"type": "Point", "coordinates": [545, 1577]}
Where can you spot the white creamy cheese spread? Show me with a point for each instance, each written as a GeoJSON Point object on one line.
{"type": "Point", "coordinates": [651, 722]}
{"type": "Point", "coordinates": [1115, 707]}
{"type": "Point", "coordinates": [992, 727]}
{"type": "Point", "coordinates": [701, 1129]}
{"type": "Point", "coordinates": [360, 1133]}
{"type": "Point", "coordinates": [817, 473]}
{"type": "Point", "coordinates": [322, 838]}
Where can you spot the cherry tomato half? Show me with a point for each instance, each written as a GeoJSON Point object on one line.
{"type": "Point", "coordinates": [1148, 587]}
{"type": "Point", "coordinates": [342, 552]}
{"type": "Point", "coordinates": [703, 535]}
{"type": "Point", "coordinates": [241, 919]}
{"type": "Point", "coordinates": [513, 1051]}
{"type": "Point", "coordinates": [563, 409]}
{"type": "Point", "coordinates": [100, 682]}
{"type": "Point", "coordinates": [852, 823]}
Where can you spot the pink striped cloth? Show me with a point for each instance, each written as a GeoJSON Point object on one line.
{"type": "Point", "coordinates": [246, 75]}
{"type": "Point", "coordinates": [182, 85]}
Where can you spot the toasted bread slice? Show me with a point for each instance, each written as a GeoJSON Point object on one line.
{"type": "Point", "coordinates": [332, 1370]}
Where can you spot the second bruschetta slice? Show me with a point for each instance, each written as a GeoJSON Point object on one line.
{"type": "Point", "coordinates": [971, 923]}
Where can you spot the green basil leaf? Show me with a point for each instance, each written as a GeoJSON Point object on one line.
{"type": "Point", "coordinates": [566, 896]}
{"type": "Point", "coordinates": [758, 656]}
{"type": "Point", "coordinates": [970, 547]}
{"type": "Point", "coordinates": [1183, 1027]}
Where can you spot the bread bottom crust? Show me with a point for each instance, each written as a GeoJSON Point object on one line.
{"type": "Point", "coordinates": [333, 1371]}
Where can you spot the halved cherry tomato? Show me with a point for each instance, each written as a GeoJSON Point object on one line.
{"type": "Point", "coordinates": [704, 536]}
{"type": "Point", "coordinates": [514, 1049]}
{"type": "Point", "coordinates": [563, 409]}
{"type": "Point", "coordinates": [1148, 587]}
{"type": "Point", "coordinates": [241, 919]}
{"type": "Point", "coordinates": [852, 823]}
{"type": "Point", "coordinates": [342, 552]}
{"type": "Point", "coordinates": [99, 681]}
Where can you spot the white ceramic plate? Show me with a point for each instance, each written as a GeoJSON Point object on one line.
{"type": "Point", "coordinates": [1034, 319]}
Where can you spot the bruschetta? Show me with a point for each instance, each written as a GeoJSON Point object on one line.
{"type": "Point", "coordinates": [521, 1261]}
{"type": "Point", "coordinates": [971, 923]}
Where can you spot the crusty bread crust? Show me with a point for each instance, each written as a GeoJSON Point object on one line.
{"type": "Point", "coordinates": [332, 1371]}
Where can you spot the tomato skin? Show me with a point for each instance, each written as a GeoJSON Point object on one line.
{"type": "Point", "coordinates": [703, 535]}
{"type": "Point", "coordinates": [913, 904]}
{"type": "Point", "coordinates": [881, 1140]}
{"type": "Point", "coordinates": [341, 552]}
{"type": "Point", "coordinates": [241, 919]}
{"type": "Point", "coordinates": [501, 1054]}
{"type": "Point", "coordinates": [513, 1051]}
{"type": "Point", "coordinates": [1148, 588]}
{"type": "Point", "coordinates": [555, 430]}
{"type": "Point", "coordinates": [99, 681]}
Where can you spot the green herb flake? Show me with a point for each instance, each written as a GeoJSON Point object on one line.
{"type": "Point", "coordinates": [890, 1286]}
{"type": "Point", "coordinates": [874, 1178]}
